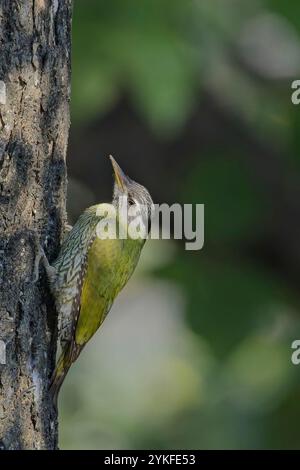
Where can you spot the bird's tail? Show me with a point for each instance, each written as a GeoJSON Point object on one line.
{"type": "Point", "coordinates": [67, 357]}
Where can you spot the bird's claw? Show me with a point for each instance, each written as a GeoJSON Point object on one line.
{"type": "Point", "coordinates": [41, 256]}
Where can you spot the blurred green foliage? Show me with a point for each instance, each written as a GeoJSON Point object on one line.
{"type": "Point", "coordinates": [233, 209]}
{"type": "Point", "coordinates": [211, 369]}
{"type": "Point", "coordinates": [142, 48]}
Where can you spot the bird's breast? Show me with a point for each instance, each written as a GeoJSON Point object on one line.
{"type": "Point", "coordinates": [110, 265]}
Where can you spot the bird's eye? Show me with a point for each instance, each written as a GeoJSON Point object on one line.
{"type": "Point", "coordinates": [130, 201]}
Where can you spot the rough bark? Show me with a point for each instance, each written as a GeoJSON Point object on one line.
{"type": "Point", "coordinates": [34, 123]}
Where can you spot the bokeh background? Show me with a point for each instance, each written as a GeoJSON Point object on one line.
{"type": "Point", "coordinates": [193, 98]}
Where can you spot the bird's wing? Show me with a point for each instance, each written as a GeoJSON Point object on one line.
{"type": "Point", "coordinates": [71, 267]}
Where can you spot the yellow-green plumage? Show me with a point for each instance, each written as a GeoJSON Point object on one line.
{"type": "Point", "coordinates": [90, 272]}
{"type": "Point", "coordinates": [110, 264]}
{"type": "Point", "coordinates": [86, 288]}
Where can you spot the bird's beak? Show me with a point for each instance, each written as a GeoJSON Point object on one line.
{"type": "Point", "coordinates": [119, 174]}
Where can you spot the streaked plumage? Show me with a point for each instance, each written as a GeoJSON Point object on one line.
{"type": "Point", "coordinates": [89, 274]}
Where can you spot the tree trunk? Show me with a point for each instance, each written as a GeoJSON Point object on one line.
{"type": "Point", "coordinates": [35, 38]}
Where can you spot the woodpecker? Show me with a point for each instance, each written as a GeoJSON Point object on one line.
{"type": "Point", "coordinates": [90, 271]}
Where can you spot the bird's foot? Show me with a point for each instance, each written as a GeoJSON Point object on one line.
{"type": "Point", "coordinates": [67, 230]}
{"type": "Point", "coordinates": [41, 256]}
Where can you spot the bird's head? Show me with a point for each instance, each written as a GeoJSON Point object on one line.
{"type": "Point", "coordinates": [137, 196]}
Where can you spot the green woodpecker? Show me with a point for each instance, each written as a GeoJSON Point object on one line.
{"type": "Point", "coordinates": [89, 271]}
